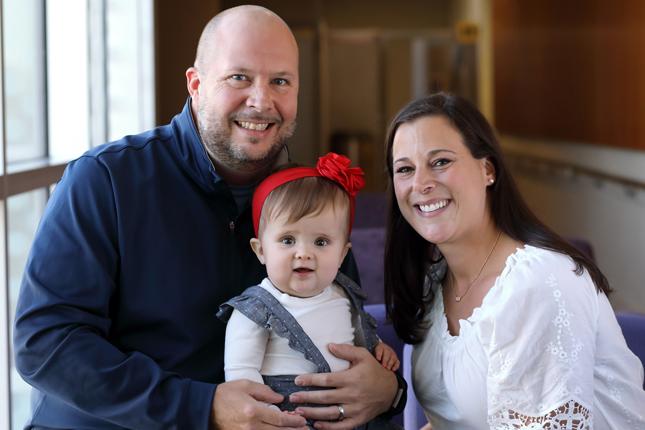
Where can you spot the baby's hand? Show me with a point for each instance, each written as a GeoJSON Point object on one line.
{"type": "Point", "coordinates": [386, 356]}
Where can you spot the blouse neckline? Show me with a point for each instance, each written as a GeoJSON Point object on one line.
{"type": "Point", "coordinates": [440, 318]}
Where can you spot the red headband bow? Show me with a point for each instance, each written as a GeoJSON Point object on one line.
{"type": "Point", "coordinates": [331, 166]}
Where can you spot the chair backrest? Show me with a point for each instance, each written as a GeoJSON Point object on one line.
{"type": "Point", "coordinates": [368, 242]}
{"type": "Point", "coordinates": [387, 334]}
{"type": "Point", "coordinates": [582, 245]}
{"type": "Point", "coordinates": [633, 327]}
{"type": "Point", "coordinates": [368, 246]}
{"type": "Point", "coordinates": [412, 417]}
{"type": "Point", "coordinates": [370, 210]}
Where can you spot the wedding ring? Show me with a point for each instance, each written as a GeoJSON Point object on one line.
{"type": "Point", "coordinates": [341, 413]}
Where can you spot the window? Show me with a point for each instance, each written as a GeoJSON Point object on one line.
{"type": "Point", "coordinates": [73, 75]}
{"type": "Point", "coordinates": [23, 214]}
{"type": "Point", "coordinates": [24, 80]}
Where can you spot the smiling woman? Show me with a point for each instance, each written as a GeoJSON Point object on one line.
{"type": "Point", "coordinates": [439, 185]}
{"type": "Point", "coordinates": [468, 268]}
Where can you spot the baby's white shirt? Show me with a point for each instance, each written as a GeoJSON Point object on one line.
{"type": "Point", "coordinates": [252, 351]}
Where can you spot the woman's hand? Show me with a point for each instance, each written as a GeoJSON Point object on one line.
{"type": "Point", "coordinates": [363, 391]}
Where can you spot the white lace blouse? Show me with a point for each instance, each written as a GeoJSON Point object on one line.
{"type": "Point", "coordinates": [543, 351]}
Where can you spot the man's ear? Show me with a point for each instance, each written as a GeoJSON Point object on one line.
{"type": "Point", "coordinates": [193, 81]}
{"type": "Point", "coordinates": [348, 245]}
{"type": "Point", "coordinates": [256, 246]}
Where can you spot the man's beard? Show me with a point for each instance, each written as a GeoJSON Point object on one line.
{"type": "Point", "coordinates": [216, 136]}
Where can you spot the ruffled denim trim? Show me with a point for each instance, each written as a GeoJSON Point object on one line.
{"type": "Point", "coordinates": [262, 308]}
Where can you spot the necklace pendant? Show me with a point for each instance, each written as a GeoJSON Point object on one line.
{"type": "Point", "coordinates": [457, 299]}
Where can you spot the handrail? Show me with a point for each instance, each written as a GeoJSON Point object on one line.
{"type": "Point", "coordinates": [574, 168]}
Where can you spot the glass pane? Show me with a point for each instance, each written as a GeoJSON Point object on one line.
{"type": "Point", "coordinates": [24, 58]}
{"type": "Point", "coordinates": [23, 213]}
{"type": "Point", "coordinates": [129, 55]}
{"type": "Point", "coordinates": [67, 78]}
{"type": "Point", "coordinates": [5, 393]}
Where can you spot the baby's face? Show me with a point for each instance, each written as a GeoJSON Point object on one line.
{"type": "Point", "coordinates": [302, 258]}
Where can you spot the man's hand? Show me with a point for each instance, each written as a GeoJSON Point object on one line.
{"type": "Point", "coordinates": [364, 391]}
{"type": "Point", "coordinates": [244, 405]}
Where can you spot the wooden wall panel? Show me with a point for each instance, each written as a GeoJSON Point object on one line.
{"type": "Point", "coordinates": [178, 25]}
{"type": "Point", "coordinates": [570, 70]}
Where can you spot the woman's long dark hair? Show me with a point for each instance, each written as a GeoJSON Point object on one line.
{"type": "Point", "coordinates": [407, 254]}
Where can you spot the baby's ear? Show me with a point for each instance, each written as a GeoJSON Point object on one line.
{"type": "Point", "coordinates": [256, 246]}
{"type": "Point", "coordinates": [348, 245]}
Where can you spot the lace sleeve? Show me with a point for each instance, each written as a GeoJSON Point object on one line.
{"type": "Point", "coordinates": [541, 350]}
{"type": "Point", "coordinates": [570, 416]}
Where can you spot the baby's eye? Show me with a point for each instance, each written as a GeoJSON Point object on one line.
{"type": "Point", "coordinates": [321, 242]}
{"type": "Point", "coordinates": [287, 240]}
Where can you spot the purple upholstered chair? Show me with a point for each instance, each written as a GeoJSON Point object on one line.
{"type": "Point", "coordinates": [583, 245]}
{"type": "Point", "coordinates": [633, 326]}
{"type": "Point", "coordinates": [370, 210]}
{"type": "Point", "coordinates": [368, 245]}
{"type": "Point", "coordinates": [412, 417]}
{"type": "Point", "coordinates": [388, 335]}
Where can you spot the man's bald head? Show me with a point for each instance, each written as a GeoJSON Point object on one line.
{"type": "Point", "coordinates": [236, 19]}
{"type": "Point", "coordinates": [244, 90]}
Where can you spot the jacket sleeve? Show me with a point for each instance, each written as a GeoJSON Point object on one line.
{"type": "Point", "coordinates": [63, 316]}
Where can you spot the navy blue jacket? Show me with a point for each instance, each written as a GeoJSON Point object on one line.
{"type": "Point", "coordinates": [140, 243]}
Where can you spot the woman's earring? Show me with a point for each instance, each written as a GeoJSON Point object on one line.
{"type": "Point", "coordinates": [491, 181]}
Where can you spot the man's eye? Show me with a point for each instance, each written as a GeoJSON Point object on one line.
{"type": "Point", "coordinates": [239, 80]}
{"type": "Point", "coordinates": [281, 82]}
{"type": "Point", "coordinates": [287, 240]}
{"type": "Point", "coordinates": [321, 242]}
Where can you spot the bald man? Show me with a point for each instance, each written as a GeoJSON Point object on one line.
{"type": "Point", "coordinates": [145, 237]}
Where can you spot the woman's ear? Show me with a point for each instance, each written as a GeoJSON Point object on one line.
{"type": "Point", "coordinates": [256, 246]}
{"type": "Point", "coordinates": [489, 171]}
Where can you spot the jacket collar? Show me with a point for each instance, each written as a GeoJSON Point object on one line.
{"type": "Point", "coordinates": [191, 150]}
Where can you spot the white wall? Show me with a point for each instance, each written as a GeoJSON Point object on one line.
{"type": "Point", "coordinates": [610, 216]}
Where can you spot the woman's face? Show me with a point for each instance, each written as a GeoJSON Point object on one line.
{"type": "Point", "coordinates": [440, 187]}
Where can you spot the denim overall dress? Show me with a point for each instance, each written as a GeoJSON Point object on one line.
{"type": "Point", "coordinates": [264, 309]}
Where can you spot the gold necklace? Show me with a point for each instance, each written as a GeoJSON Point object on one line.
{"type": "Point", "coordinates": [457, 297]}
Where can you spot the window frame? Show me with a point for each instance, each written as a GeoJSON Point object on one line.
{"type": "Point", "coordinates": [21, 177]}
